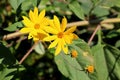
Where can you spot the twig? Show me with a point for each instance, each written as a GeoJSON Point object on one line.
{"type": "Point", "coordinates": [85, 23]}
{"type": "Point", "coordinates": [77, 23]}
{"type": "Point", "coordinates": [92, 36]}
{"type": "Point", "coordinates": [13, 35]}
{"type": "Point", "coordinates": [26, 55]}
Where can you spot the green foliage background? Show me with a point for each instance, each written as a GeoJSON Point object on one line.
{"type": "Point", "coordinates": [41, 64]}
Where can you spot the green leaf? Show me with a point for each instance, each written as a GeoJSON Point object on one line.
{"type": "Point", "coordinates": [113, 33]}
{"type": "Point", "coordinates": [85, 56]}
{"type": "Point", "coordinates": [4, 74]}
{"type": "Point", "coordinates": [43, 2]}
{"type": "Point", "coordinates": [95, 1]}
{"type": "Point", "coordinates": [107, 61]}
{"type": "Point", "coordinates": [117, 44]}
{"type": "Point", "coordinates": [86, 6]}
{"type": "Point", "coordinates": [14, 27]}
{"type": "Point", "coordinates": [70, 68]}
{"type": "Point", "coordinates": [5, 56]}
{"type": "Point", "coordinates": [8, 64]}
{"type": "Point", "coordinates": [76, 8]}
{"type": "Point", "coordinates": [112, 55]}
{"type": "Point", "coordinates": [7, 73]}
{"type": "Point", "coordinates": [118, 3]}
{"type": "Point", "coordinates": [98, 13]}
{"type": "Point", "coordinates": [39, 48]}
{"type": "Point", "coordinates": [15, 3]}
{"type": "Point", "coordinates": [27, 4]}
{"type": "Point", "coordinates": [74, 68]}
{"type": "Point", "coordinates": [111, 3]}
{"type": "Point", "coordinates": [100, 62]}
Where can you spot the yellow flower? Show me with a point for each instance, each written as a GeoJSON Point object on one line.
{"type": "Point", "coordinates": [74, 53]}
{"type": "Point", "coordinates": [90, 69]}
{"type": "Point", "coordinates": [59, 36]}
{"type": "Point", "coordinates": [35, 24]}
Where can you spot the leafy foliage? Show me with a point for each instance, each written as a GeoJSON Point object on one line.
{"type": "Point", "coordinates": [8, 64]}
{"type": "Point", "coordinates": [103, 53]}
{"type": "Point", "coordinates": [73, 67]}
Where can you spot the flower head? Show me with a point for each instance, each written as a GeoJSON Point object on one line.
{"type": "Point", "coordinates": [35, 24]}
{"type": "Point", "coordinates": [74, 53]}
{"type": "Point", "coordinates": [90, 68]}
{"type": "Point", "coordinates": [60, 36]}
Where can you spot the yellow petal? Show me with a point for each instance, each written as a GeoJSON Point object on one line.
{"type": "Point", "coordinates": [64, 47]}
{"type": "Point", "coordinates": [35, 39]}
{"type": "Point", "coordinates": [75, 36]}
{"type": "Point", "coordinates": [51, 23]}
{"type": "Point", "coordinates": [31, 15]}
{"type": "Point", "coordinates": [43, 22]}
{"type": "Point", "coordinates": [57, 23]}
{"type": "Point", "coordinates": [27, 22]}
{"type": "Point", "coordinates": [72, 36]}
{"type": "Point", "coordinates": [58, 49]}
{"type": "Point", "coordinates": [50, 30]}
{"type": "Point", "coordinates": [54, 43]}
{"type": "Point", "coordinates": [63, 24]}
{"type": "Point", "coordinates": [50, 38]}
{"type": "Point", "coordinates": [41, 15]}
{"type": "Point", "coordinates": [70, 30]}
{"type": "Point", "coordinates": [39, 36]}
{"type": "Point", "coordinates": [25, 30]}
{"type": "Point", "coordinates": [41, 31]}
{"type": "Point", "coordinates": [67, 39]}
{"type": "Point", "coordinates": [30, 36]}
{"type": "Point", "coordinates": [35, 12]}
{"type": "Point", "coordinates": [33, 32]}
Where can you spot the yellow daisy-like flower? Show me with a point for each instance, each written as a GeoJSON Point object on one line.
{"type": "Point", "coordinates": [35, 24]}
{"type": "Point", "coordinates": [59, 36]}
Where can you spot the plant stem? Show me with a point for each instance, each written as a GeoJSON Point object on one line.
{"type": "Point", "coordinates": [85, 23]}
{"type": "Point", "coordinates": [13, 35]}
{"type": "Point", "coordinates": [26, 55]}
{"type": "Point", "coordinates": [99, 36]}
{"type": "Point", "coordinates": [92, 36]}
{"type": "Point", "coordinates": [77, 23]}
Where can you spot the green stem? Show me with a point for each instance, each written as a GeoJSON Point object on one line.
{"type": "Point", "coordinates": [99, 35]}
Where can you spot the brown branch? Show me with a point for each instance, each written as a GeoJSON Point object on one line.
{"type": "Point", "coordinates": [92, 36]}
{"type": "Point", "coordinates": [77, 23]}
{"type": "Point", "coordinates": [85, 23]}
{"type": "Point", "coordinates": [26, 55]}
{"type": "Point", "coordinates": [13, 35]}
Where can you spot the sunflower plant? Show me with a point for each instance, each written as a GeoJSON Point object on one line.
{"type": "Point", "coordinates": [59, 40]}
{"type": "Point", "coordinates": [60, 37]}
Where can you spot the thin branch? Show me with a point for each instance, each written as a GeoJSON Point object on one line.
{"type": "Point", "coordinates": [26, 55]}
{"type": "Point", "coordinates": [92, 36]}
{"type": "Point", "coordinates": [85, 23]}
{"type": "Point", "coordinates": [13, 35]}
{"type": "Point", "coordinates": [77, 23]}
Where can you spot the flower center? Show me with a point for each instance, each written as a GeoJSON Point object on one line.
{"type": "Point", "coordinates": [36, 26]}
{"type": "Point", "coordinates": [60, 35]}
